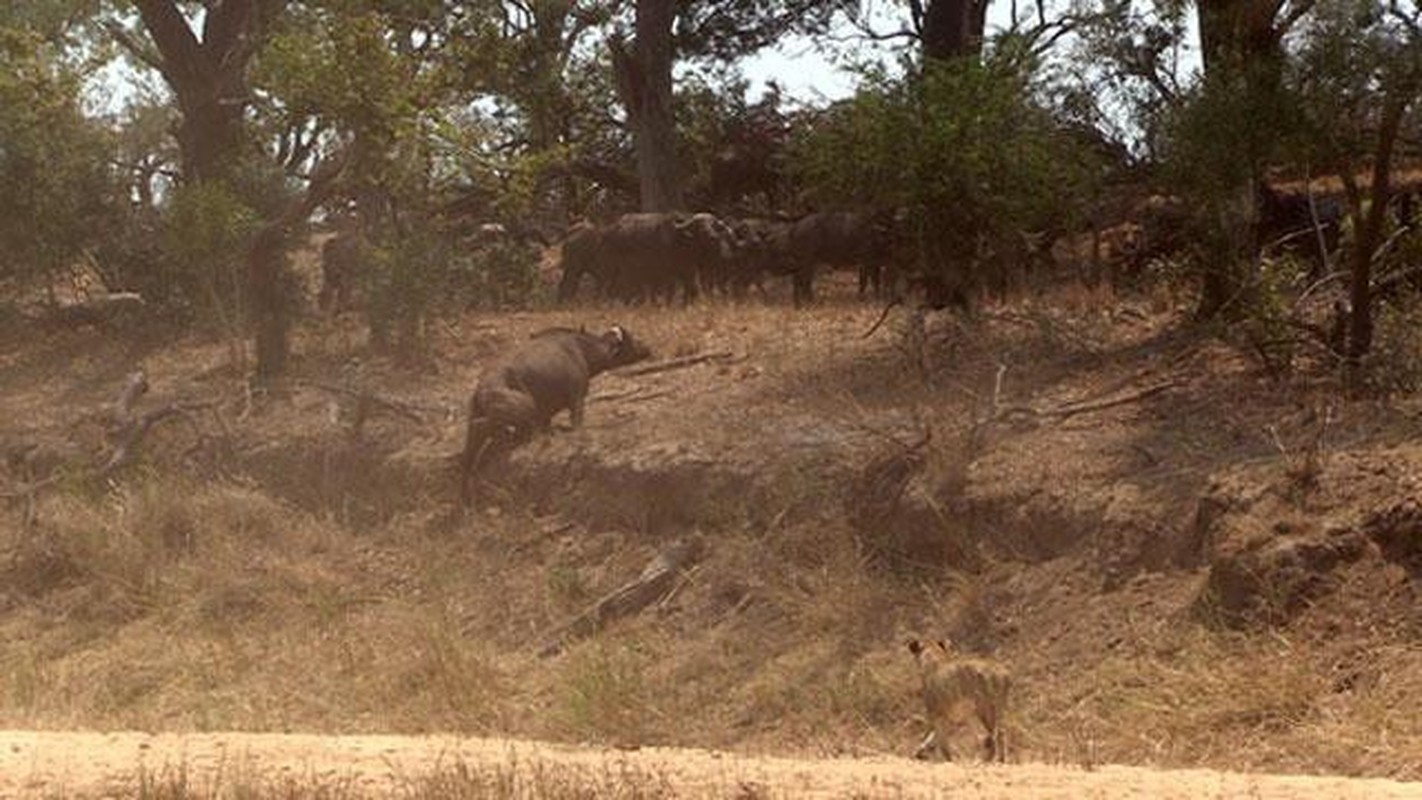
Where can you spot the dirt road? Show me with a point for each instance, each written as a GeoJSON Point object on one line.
{"type": "Point", "coordinates": [39, 764]}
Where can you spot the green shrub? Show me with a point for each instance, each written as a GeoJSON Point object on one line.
{"type": "Point", "coordinates": [964, 156]}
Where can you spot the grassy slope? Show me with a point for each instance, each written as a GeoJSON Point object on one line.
{"type": "Point", "coordinates": [261, 585]}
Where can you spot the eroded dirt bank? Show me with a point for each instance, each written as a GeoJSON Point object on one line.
{"type": "Point", "coordinates": [1185, 561]}
{"type": "Point", "coordinates": [41, 764]}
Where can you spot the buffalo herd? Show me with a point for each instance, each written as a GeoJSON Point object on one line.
{"type": "Point", "coordinates": [662, 256]}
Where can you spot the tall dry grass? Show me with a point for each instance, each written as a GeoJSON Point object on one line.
{"type": "Point", "coordinates": [167, 603]}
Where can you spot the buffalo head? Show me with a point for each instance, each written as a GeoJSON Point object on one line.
{"type": "Point", "coordinates": [623, 348]}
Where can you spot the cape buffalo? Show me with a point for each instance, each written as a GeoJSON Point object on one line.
{"type": "Point", "coordinates": [762, 246]}
{"type": "Point", "coordinates": [580, 258]}
{"type": "Point", "coordinates": [837, 239]}
{"type": "Point", "coordinates": [647, 256]}
{"type": "Point", "coordinates": [519, 394]}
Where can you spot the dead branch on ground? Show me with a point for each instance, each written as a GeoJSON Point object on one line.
{"type": "Point", "coordinates": [129, 432]}
{"type": "Point", "coordinates": [409, 411]}
{"type": "Point", "coordinates": [368, 403]}
{"type": "Point", "coordinates": [133, 434]}
{"type": "Point", "coordinates": [97, 311]}
{"type": "Point", "coordinates": [882, 317]}
{"type": "Point", "coordinates": [638, 395]}
{"type": "Point", "coordinates": [134, 387]}
{"type": "Point", "coordinates": [675, 363]}
{"type": "Point", "coordinates": [1072, 409]}
{"type": "Point", "coordinates": [658, 580]}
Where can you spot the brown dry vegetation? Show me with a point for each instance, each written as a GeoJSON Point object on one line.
{"type": "Point", "coordinates": [277, 571]}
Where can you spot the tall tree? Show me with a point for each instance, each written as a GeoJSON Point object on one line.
{"type": "Point", "coordinates": [644, 79]}
{"type": "Point", "coordinates": [664, 30]}
{"type": "Point", "coordinates": [206, 61]}
{"type": "Point", "coordinates": [207, 72]}
{"type": "Point", "coordinates": [950, 28]}
{"type": "Point", "coordinates": [1358, 73]}
{"type": "Point", "coordinates": [1241, 43]}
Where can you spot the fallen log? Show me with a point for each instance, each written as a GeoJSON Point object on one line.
{"type": "Point", "coordinates": [1072, 409]}
{"type": "Point", "coordinates": [132, 436]}
{"type": "Point", "coordinates": [675, 363]}
{"type": "Point", "coordinates": [96, 310]}
{"type": "Point", "coordinates": [658, 579]}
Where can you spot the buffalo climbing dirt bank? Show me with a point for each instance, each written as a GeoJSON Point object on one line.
{"type": "Point", "coordinates": [78, 765]}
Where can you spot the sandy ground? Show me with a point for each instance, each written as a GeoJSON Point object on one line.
{"type": "Point", "coordinates": [40, 764]}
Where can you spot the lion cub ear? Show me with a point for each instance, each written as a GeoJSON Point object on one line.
{"type": "Point", "coordinates": [914, 646]}
{"type": "Point", "coordinates": [946, 645]}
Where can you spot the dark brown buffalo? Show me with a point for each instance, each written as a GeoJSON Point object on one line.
{"type": "Point", "coordinates": [836, 239]}
{"type": "Point", "coordinates": [580, 260]}
{"type": "Point", "coordinates": [519, 395]}
{"type": "Point", "coordinates": [762, 247]}
{"type": "Point", "coordinates": [642, 257]}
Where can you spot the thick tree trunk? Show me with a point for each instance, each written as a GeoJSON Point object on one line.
{"type": "Point", "coordinates": [953, 29]}
{"type": "Point", "coordinates": [269, 282]}
{"type": "Point", "coordinates": [644, 81]}
{"type": "Point", "coordinates": [548, 104]}
{"type": "Point", "coordinates": [209, 135]}
{"type": "Point", "coordinates": [1370, 229]}
{"type": "Point", "coordinates": [208, 76]}
{"type": "Point", "coordinates": [1235, 32]}
{"type": "Point", "coordinates": [267, 286]}
{"type": "Point", "coordinates": [1241, 50]}
{"type": "Point", "coordinates": [1226, 254]}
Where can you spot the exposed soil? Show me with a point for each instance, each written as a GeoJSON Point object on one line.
{"type": "Point", "coordinates": [1186, 559]}
{"type": "Point", "coordinates": [82, 765]}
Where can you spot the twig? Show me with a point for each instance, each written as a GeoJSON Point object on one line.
{"type": "Point", "coordinates": [246, 401]}
{"type": "Point", "coordinates": [365, 398]}
{"type": "Point", "coordinates": [133, 388]}
{"type": "Point", "coordinates": [642, 398]}
{"type": "Point", "coordinates": [997, 387]}
{"type": "Point", "coordinates": [30, 489]}
{"type": "Point", "coordinates": [1318, 284]}
{"type": "Point", "coordinates": [610, 396]}
{"type": "Point", "coordinates": [1320, 239]}
{"type": "Point", "coordinates": [882, 317]}
{"type": "Point", "coordinates": [133, 435]}
{"type": "Point", "coordinates": [1072, 409]}
{"type": "Point", "coordinates": [675, 363]}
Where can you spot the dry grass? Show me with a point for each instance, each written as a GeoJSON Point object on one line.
{"type": "Point", "coordinates": [1202, 698]}
{"type": "Point", "coordinates": [170, 603]}
{"type": "Point", "coordinates": [456, 781]}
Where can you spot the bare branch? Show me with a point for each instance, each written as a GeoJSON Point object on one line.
{"type": "Point", "coordinates": [134, 47]}
{"type": "Point", "coordinates": [916, 14]}
{"type": "Point", "coordinates": [1297, 11]}
{"type": "Point", "coordinates": [675, 363]}
{"type": "Point", "coordinates": [128, 446]}
{"type": "Point", "coordinates": [134, 387]}
{"type": "Point", "coordinates": [182, 53]}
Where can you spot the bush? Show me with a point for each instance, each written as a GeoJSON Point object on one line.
{"type": "Point", "coordinates": [426, 273]}
{"type": "Point", "coordinates": [52, 163]}
{"type": "Point", "coordinates": [966, 158]}
{"type": "Point", "coordinates": [204, 270]}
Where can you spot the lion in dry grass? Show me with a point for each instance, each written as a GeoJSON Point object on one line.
{"type": "Point", "coordinates": [956, 688]}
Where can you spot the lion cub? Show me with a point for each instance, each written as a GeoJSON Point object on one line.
{"type": "Point", "coordinates": [956, 686]}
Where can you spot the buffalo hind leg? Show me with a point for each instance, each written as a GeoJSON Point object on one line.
{"type": "Point", "coordinates": [870, 277]}
{"type": "Point", "coordinates": [477, 441]}
{"type": "Point", "coordinates": [804, 286]}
